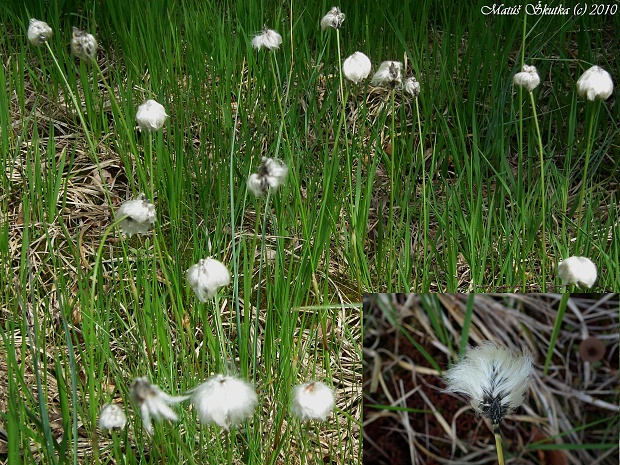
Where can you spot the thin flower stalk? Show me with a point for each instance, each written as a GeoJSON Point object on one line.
{"type": "Point", "coordinates": [528, 79]}
{"type": "Point", "coordinates": [597, 86]}
{"type": "Point", "coordinates": [543, 197]}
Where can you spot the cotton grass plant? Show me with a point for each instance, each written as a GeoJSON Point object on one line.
{"type": "Point", "coordinates": [476, 241]}
{"type": "Point", "coordinates": [529, 79]}
{"type": "Point", "coordinates": [410, 416]}
{"type": "Point", "coordinates": [458, 217]}
{"type": "Point", "coordinates": [495, 381]}
{"type": "Point", "coordinates": [131, 312]}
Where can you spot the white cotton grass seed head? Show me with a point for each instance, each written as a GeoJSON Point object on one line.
{"type": "Point", "coordinates": [112, 417]}
{"type": "Point", "coordinates": [39, 32]}
{"type": "Point", "coordinates": [269, 39]}
{"type": "Point", "coordinates": [528, 78]}
{"type": "Point", "coordinates": [151, 116]}
{"type": "Point", "coordinates": [206, 277]}
{"type": "Point", "coordinates": [356, 67]}
{"type": "Point", "coordinates": [137, 216]}
{"type": "Point", "coordinates": [389, 73]}
{"type": "Point", "coordinates": [83, 45]}
{"type": "Point", "coordinates": [411, 86]}
{"type": "Point", "coordinates": [271, 174]}
{"type": "Point", "coordinates": [595, 83]}
{"type": "Point", "coordinates": [274, 171]}
{"type": "Point", "coordinates": [334, 18]}
{"type": "Point", "coordinates": [578, 270]}
{"type": "Point", "coordinates": [153, 402]}
{"type": "Point", "coordinates": [312, 401]}
{"type": "Point", "coordinates": [257, 184]}
{"type": "Point", "coordinates": [224, 400]}
{"type": "Point", "coordinates": [495, 379]}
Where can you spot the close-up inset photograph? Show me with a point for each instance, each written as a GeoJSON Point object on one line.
{"type": "Point", "coordinates": [490, 378]}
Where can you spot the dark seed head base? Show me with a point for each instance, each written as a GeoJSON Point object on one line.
{"type": "Point", "coordinates": [492, 408]}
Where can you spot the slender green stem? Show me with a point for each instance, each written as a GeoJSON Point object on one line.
{"type": "Point", "coordinates": [543, 197]}
{"type": "Point", "coordinates": [520, 166]}
{"type": "Point", "coordinates": [229, 444]}
{"type": "Point", "coordinates": [343, 122]}
{"type": "Point", "coordinates": [424, 202]}
{"type": "Point", "coordinates": [498, 444]}
{"type": "Point", "coordinates": [523, 35]}
{"type": "Point", "coordinates": [344, 102]}
{"type": "Point", "coordinates": [556, 330]}
{"type": "Point", "coordinates": [260, 270]}
{"type": "Point", "coordinates": [235, 259]}
{"type": "Point", "coordinates": [223, 342]}
{"type": "Point", "coordinates": [584, 177]}
{"type": "Point", "coordinates": [151, 173]}
{"type": "Point", "coordinates": [392, 184]}
{"type": "Point", "coordinates": [521, 192]}
{"type": "Point", "coordinates": [98, 259]}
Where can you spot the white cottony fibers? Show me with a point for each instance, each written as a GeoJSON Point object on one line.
{"type": "Point", "coordinates": [578, 270]}
{"type": "Point", "coordinates": [312, 401]}
{"type": "Point", "coordinates": [493, 377]}
{"type": "Point", "coordinates": [356, 67]}
{"type": "Point", "coordinates": [257, 184]}
{"type": "Point", "coordinates": [269, 39]}
{"type": "Point", "coordinates": [206, 276]}
{"type": "Point", "coordinates": [334, 18]}
{"type": "Point", "coordinates": [84, 45]}
{"type": "Point", "coordinates": [224, 400]}
{"type": "Point", "coordinates": [39, 32]}
{"type": "Point", "coordinates": [140, 216]}
{"type": "Point", "coordinates": [151, 116]}
{"type": "Point", "coordinates": [595, 83]}
{"type": "Point", "coordinates": [389, 72]}
{"type": "Point", "coordinates": [528, 78]}
{"type": "Point", "coordinates": [153, 402]}
{"type": "Point", "coordinates": [271, 175]}
{"type": "Point", "coordinates": [411, 86]}
{"type": "Point", "coordinates": [112, 417]}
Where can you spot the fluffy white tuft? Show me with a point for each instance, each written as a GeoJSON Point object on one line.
{"type": "Point", "coordinates": [269, 39]}
{"type": "Point", "coordinates": [153, 402]}
{"type": "Point", "coordinates": [595, 83]}
{"type": "Point", "coordinates": [112, 417]}
{"type": "Point", "coordinates": [312, 401]}
{"type": "Point", "coordinates": [411, 86]}
{"type": "Point", "coordinates": [334, 18]}
{"type": "Point", "coordinates": [84, 45]}
{"type": "Point", "coordinates": [256, 184]}
{"type": "Point", "coordinates": [493, 377]}
{"type": "Point", "coordinates": [356, 67]}
{"type": "Point", "coordinates": [224, 400]}
{"type": "Point", "coordinates": [151, 116]}
{"type": "Point", "coordinates": [528, 78]}
{"type": "Point", "coordinates": [578, 270]}
{"type": "Point", "coordinates": [39, 32]}
{"type": "Point", "coordinates": [206, 277]}
{"type": "Point", "coordinates": [389, 72]}
{"type": "Point", "coordinates": [271, 174]}
{"type": "Point", "coordinates": [140, 216]}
